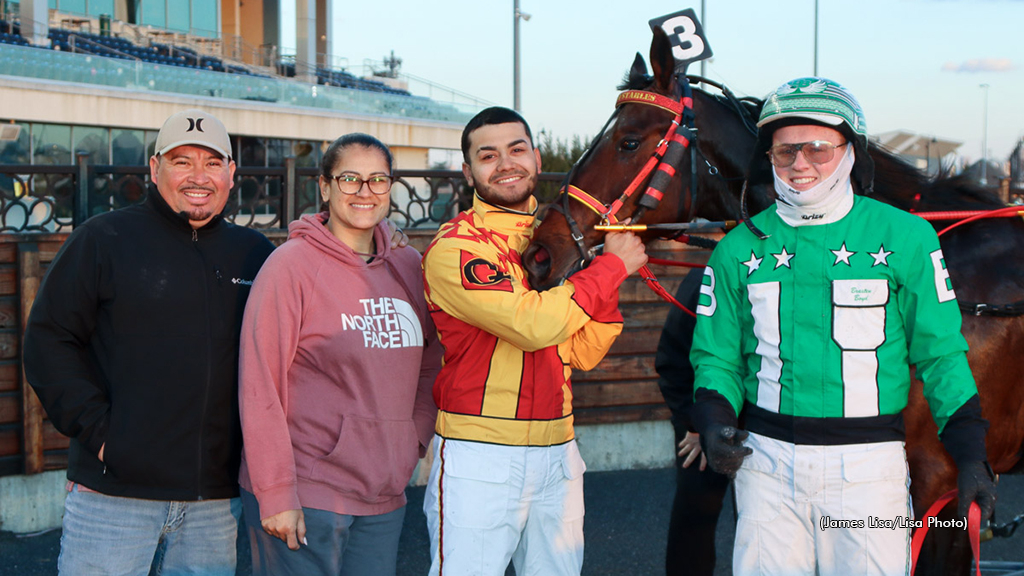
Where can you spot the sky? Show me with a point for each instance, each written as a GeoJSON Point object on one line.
{"type": "Point", "coordinates": [914, 65]}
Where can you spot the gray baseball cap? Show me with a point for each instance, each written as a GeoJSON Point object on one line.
{"type": "Point", "coordinates": [194, 127]}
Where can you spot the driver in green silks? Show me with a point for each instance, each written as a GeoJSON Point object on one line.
{"type": "Point", "coordinates": [809, 320]}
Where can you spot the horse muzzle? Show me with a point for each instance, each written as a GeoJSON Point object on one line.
{"type": "Point", "coordinates": [537, 262]}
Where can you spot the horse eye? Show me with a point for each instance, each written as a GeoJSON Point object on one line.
{"type": "Point", "coordinates": [629, 145]}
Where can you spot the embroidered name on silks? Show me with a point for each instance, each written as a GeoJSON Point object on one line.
{"type": "Point", "coordinates": [386, 323]}
{"type": "Point", "coordinates": [860, 293]}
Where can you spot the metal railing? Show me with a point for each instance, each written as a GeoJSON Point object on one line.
{"type": "Point", "coordinates": [236, 49]}
{"type": "Point", "coordinates": [56, 198]}
{"type": "Point", "coordinates": [423, 87]}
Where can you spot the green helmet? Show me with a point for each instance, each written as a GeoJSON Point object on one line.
{"type": "Point", "coordinates": [817, 99]}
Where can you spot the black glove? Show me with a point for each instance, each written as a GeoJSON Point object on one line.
{"type": "Point", "coordinates": [964, 439]}
{"type": "Point", "coordinates": [975, 483]}
{"type": "Point", "coordinates": [723, 446]}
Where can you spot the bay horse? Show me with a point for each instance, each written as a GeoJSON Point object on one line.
{"type": "Point", "coordinates": [984, 258]}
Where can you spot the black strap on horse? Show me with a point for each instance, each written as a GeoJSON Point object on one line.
{"type": "Point", "coordinates": [751, 125]}
{"type": "Point", "coordinates": [981, 309]}
{"type": "Point", "coordinates": [562, 204]}
{"type": "Point", "coordinates": [735, 103]}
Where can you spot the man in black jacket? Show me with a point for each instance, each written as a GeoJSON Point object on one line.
{"type": "Point", "coordinates": [699, 491]}
{"type": "Point", "coordinates": [132, 347]}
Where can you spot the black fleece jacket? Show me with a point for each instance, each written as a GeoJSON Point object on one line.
{"type": "Point", "coordinates": [133, 342]}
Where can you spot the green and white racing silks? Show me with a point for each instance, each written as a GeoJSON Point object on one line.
{"type": "Point", "coordinates": [823, 321]}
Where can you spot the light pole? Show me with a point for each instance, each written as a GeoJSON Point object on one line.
{"type": "Point", "coordinates": [815, 37]}
{"type": "Point", "coordinates": [938, 159]}
{"type": "Point", "coordinates": [984, 139]}
{"type": "Point", "coordinates": [516, 15]}
{"type": "Point", "coordinates": [928, 156]}
{"type": "Point", "coordinates": [704, 17]}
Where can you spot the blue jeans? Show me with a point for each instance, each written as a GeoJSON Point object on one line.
{"type": "Point", "coordinates": [114, 535]}
{"type": "Point", "coordinates": [339, 544]}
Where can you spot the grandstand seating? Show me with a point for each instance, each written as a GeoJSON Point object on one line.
{"type": "Point", "coordinates": [115, 47]}
{"type": "Point", "coordinates": [10, 34]}
{"type": "Point", "coordinates": [341, 79]}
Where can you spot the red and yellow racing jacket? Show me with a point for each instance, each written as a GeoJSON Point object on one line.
{"type": "Point", "coordinates": [508, 350]}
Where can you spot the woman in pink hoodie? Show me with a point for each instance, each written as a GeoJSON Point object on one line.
{"type": "Point", "coordinates": [338, 356]}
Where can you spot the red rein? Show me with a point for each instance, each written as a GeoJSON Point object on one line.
{"type": "Point", "coordinates": [973, 530]}
{"type": "Point", "coordinates": [965, 216]}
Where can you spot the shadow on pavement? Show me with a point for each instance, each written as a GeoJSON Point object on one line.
{"type": "Point", "coordinates": [626, 526]}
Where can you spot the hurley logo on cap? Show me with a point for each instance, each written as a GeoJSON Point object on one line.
{"type": "Point", "coordinates": [196, 128]}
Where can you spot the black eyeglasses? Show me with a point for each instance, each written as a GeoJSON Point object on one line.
{"type": "Point", "coordinates": [351, 184]}
{"type": "Point", "coordinates": [816, 152]}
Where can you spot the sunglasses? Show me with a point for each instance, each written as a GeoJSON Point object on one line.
{"type": "Point", "coordinates": [351, 184]}
{"type": "Point", "coordinates": [816, 152]}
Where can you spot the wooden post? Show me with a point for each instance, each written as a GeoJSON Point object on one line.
{"type": "Point", "coordinates": [30, 274]}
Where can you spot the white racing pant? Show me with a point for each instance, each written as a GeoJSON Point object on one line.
{"type": "Point", "coordinates": [486, 504]}
{"type": "Point", "coordinates": [828, 510]}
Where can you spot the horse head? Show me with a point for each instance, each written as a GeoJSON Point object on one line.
{"type": "Point", "coordinates": [713, 162]}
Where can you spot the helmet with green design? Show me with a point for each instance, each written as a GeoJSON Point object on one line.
{"type": "Point", "coordinates": [817, 101]}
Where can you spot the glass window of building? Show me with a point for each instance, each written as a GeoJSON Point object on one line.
{"type": "Point", "coordinates": [16, 151]}
{"type": "Point", "coordinates": [69, 6]}
{"type": "Point", "coordinates": [180, 17]}
{"type": "Point", "coordinates": [51, 144]}
{"type": "Point", "coordinates": [307, 153]}
{"type": "Point", "coordinates": [277, 149]}
{"type": "Point", "coordinates": [205, 19]}
{"type": "Point", "coordinates": [128, 147]}
{"type": "Point", "coordinates": [98, 7]}
{"type": "Point", "coordinates": [153, 12]}
{"type": "Point", "coordinates": [150, 144]}
{"type": "Point", "coordinates": [92, 141]}
{"type": "Point", "coordinates": [250, 152]}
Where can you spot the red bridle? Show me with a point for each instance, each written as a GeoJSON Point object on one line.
{"type": "Point", "coordinates": [662, 163]}
{"type": "Point", "coordinates": [655, 190]}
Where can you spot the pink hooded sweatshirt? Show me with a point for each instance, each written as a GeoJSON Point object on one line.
{"type": "Point", "coordinates": [338, 357]}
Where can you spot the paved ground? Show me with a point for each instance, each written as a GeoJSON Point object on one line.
{"type": "Point", "coordinates": [627, 518]}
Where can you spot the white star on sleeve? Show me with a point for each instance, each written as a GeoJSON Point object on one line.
{"type": "Point", "coordinates": [842, 255]}
{"type": "Point", "coordinates": [783, 258]}
{"type": "Point", "coordinates": [880, 256]}
{"type": "Point", "coordinates": [753, 264]}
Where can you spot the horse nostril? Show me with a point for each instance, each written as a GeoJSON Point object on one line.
{"type": "Point", "coordinates": [537, 261]}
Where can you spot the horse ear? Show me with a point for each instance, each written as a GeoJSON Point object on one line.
{"type": "Point", "coordinates": [662, 61]}
{"type": "Point", "coordinates": [639, 69]}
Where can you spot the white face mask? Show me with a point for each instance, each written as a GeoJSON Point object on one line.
{"type": "Point", "coordinates": [827, 201]}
